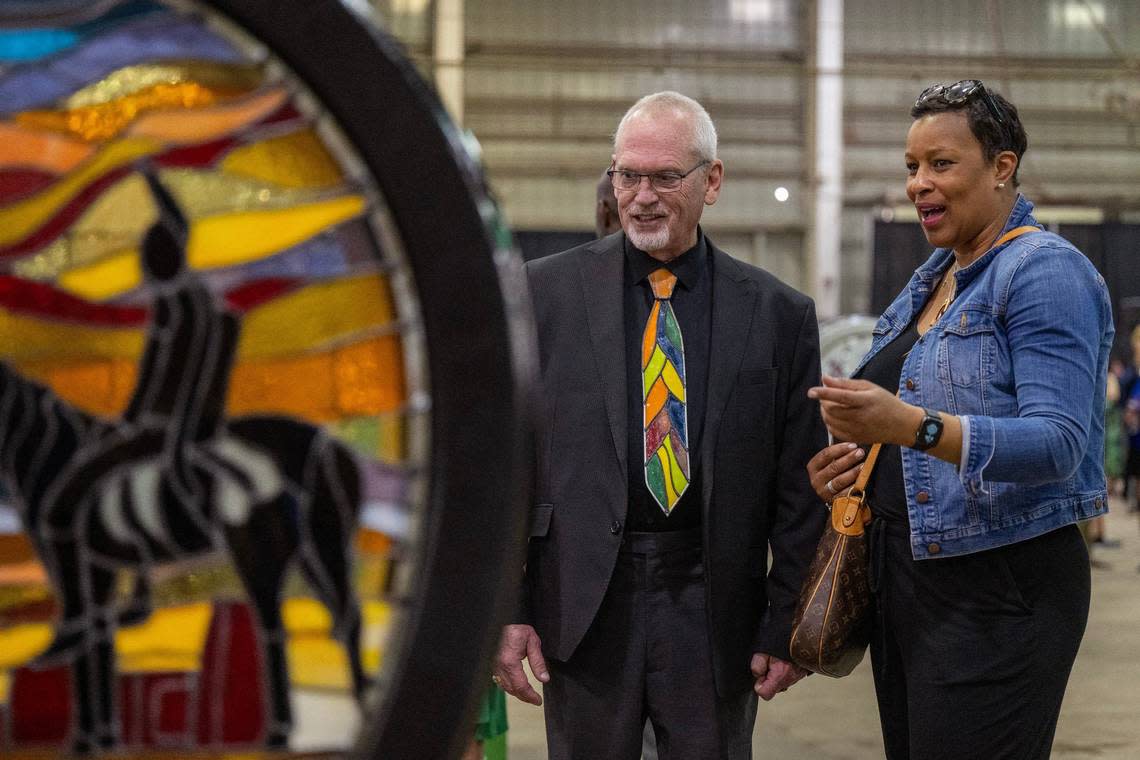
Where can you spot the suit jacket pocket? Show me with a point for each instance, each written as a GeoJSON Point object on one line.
{"type": "Point", "coordinates": [540, 516]}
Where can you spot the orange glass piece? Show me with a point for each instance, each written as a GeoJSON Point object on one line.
{"type": "Point", "coordinates": [129, 80]}
{"type": "Point", "coordinates": [361, 379]}
{"type": "Point", "coordinates": [106, 120]}
{"type": "Point", "coordinates": [46, 151]}
{"type": "Point", "coordinates": [365, 378]}
{"type": "Point", "coordinates": [203, 125]}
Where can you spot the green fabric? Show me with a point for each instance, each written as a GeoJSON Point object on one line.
{"type": "Point", "coordinates": [1114, 451]}
{"type": "Point", "coordinates": [492, 721]}
{"type": "Point", "coordinates": [495, 749]}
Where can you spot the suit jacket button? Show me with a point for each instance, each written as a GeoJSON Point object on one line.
{"type": "Point", "coordinates": [615, 527]}
{"type": "Point", "coordinates": [922, 497]}
{"type": "Point", "coordinates": [933, 548]}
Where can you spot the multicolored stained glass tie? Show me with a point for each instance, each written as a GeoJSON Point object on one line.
{"type": "Point", "coordinates": [663, 391]}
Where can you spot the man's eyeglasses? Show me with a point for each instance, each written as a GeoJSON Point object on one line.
{"type": "Point", "coordinates": [662, 182]}
{"type": "Point", "coordinates": [958, 93]}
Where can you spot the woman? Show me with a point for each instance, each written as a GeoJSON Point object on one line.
{"type": "Point", "coordinates": [997, 349]}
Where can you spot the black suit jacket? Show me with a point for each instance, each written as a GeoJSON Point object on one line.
{"type": "Point", "coordinates": [759, 431]}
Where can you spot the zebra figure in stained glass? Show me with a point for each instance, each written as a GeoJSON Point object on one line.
{"type": "Point", "coordinates": [171, 479]}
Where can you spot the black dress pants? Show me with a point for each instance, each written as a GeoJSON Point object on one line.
{"type": "Point", "coordinates": [647, 656]}
{"type": "Point", "coordinates": [971, 654]}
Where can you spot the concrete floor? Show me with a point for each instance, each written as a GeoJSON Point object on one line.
{"type": "Point", "coordinates": [1100, 717]}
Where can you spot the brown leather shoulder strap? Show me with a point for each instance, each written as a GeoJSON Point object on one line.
{"type": "Point", "coordinates": [1015, 232]}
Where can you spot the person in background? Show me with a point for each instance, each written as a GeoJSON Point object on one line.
{"type": "Point", "coordinates": [1130, 399]}
{"type": "Point", "coordinates": [985, 383]}
{"type": "Point", "coordinates": [671, 450]}
{"type": "Point", "coordinates": [607, 221]}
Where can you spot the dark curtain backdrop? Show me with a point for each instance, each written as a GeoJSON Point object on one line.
{"type": "Point", "coordinates": [1113, 248]}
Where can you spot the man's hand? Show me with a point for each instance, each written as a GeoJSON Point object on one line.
{"type": "Point", "coordinates": [774, 675]}
{"type": "Point", "coordinates": [520, 642]}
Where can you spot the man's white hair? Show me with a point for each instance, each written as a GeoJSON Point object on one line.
{"type": "Point", "coordinates": [704, 132]}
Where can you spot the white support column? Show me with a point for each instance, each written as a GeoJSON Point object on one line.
{"type": "Point", "coordinates": [828, 156]}
{"type": "Point", "coordinates": [448, 47]}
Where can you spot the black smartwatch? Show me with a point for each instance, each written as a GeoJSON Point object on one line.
{"type": "Point", "coordinates": [929, 430]}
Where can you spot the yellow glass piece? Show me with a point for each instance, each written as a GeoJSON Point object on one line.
{"type": "Point", "coordinates": [172, 639]}
{"type": "Point", "coordinates": [676, 474]}
{"type": "Point", "coordinates": [663, 455]}
{"type": "Point", "coordinates": [28, 339]}
{"type": "Point", "coordinates": [119, 217]}
{"type": "Point", "coordinates": [45, 151]}
{"type": "Point", "coordinates": [316, 317]}
{"type": "Point", "coordinates": [206, 124]}
{"type": "Point", "coordinates": [105, 278]}
{"type": "Point", "coordinates": [657, 361]}
{"type": "Point", "coordinates": [209, 193]}
{"type": "Point", "coordinates": [297, 159]}
{"type": "Point", "coordinates": [132, 80]}
{"type": "Point", "coordinates": [229, 239]}
{"type": "Point", "coordinates": [20, 643]}
{"type": "Point", "coordinates": [20, 219]}
{"type": "Point", "coordinates": [104, 121]}
{"type": "Point", "coordinates": [392, 438]}
{"type": "Point", "coordinates": [673, 381]}
{"type": "Point", "coordinates": [218, 241]}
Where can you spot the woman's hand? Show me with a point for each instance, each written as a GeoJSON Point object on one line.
{"type": "Point", "coordinates": [834, 469]}
{"type": "Point", "coordinates": [859, 410]}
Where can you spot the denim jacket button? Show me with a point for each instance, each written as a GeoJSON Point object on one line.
{"type": "Point", "coordinates": [909, 384]}
{"type": "Point", "coordinates": [922, 497]}
{"type": "Point", "coordinates": [933, 548]}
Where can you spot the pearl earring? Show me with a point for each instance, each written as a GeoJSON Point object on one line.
{"type": "Point", "coordinates": [1001, 185]}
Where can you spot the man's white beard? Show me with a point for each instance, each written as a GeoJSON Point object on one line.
{"type": "Point", "coordinates": [650, 241]}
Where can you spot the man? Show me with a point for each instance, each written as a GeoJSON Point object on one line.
{"type": "Point", "coordinates": [672, 454]}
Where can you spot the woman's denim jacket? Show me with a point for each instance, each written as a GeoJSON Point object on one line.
{"type": "Point", "coordinates": [1020, 356]}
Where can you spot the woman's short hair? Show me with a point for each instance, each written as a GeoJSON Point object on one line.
{"type": "Point", "coordinates": [994, 136]}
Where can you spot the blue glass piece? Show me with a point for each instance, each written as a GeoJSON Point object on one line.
{"type": "Point", "coordinates": [20, 45]}
{"type": "Point", "coordinates": [32, 44]}
{"type": "Point", "coordinates": [672, 352]}
{"type": "Point", "coordinates": [153, 37]}
{"type": "Point", "coordinates": [677, 418]}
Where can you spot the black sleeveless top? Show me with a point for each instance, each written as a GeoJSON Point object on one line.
{"type": "Point", "coordinates": [885, 491]}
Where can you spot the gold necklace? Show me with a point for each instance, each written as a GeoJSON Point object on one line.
{"type": "Point", "coordinates": [951, 284]}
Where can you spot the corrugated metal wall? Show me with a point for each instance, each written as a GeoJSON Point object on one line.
{"type": "Point", "coordinates": [546, 82]}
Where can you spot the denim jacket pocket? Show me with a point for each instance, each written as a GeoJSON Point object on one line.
{"type": "Point", "coordinates": [966, 349]}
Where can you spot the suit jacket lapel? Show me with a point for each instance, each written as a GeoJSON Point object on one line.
{"type": "Point", "coordinates": [734, 301]}
{"type": "Point", "coordinates": [601, 281]}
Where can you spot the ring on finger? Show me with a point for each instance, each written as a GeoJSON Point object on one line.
{"type": "Point", "coordinates": [830, 488]}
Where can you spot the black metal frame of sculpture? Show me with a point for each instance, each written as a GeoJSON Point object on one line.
{"type": "Point", "coordinates": [463, 576]}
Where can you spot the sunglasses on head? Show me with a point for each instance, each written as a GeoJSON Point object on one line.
{"type": "Point", "coordinates": [958, 93]}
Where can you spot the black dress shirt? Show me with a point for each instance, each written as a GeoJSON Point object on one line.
{"type": "Point", "coordinates": [692, 303]}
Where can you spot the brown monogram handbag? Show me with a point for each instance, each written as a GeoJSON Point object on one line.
{"type": "Point", "coordinates": [832, 626]}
